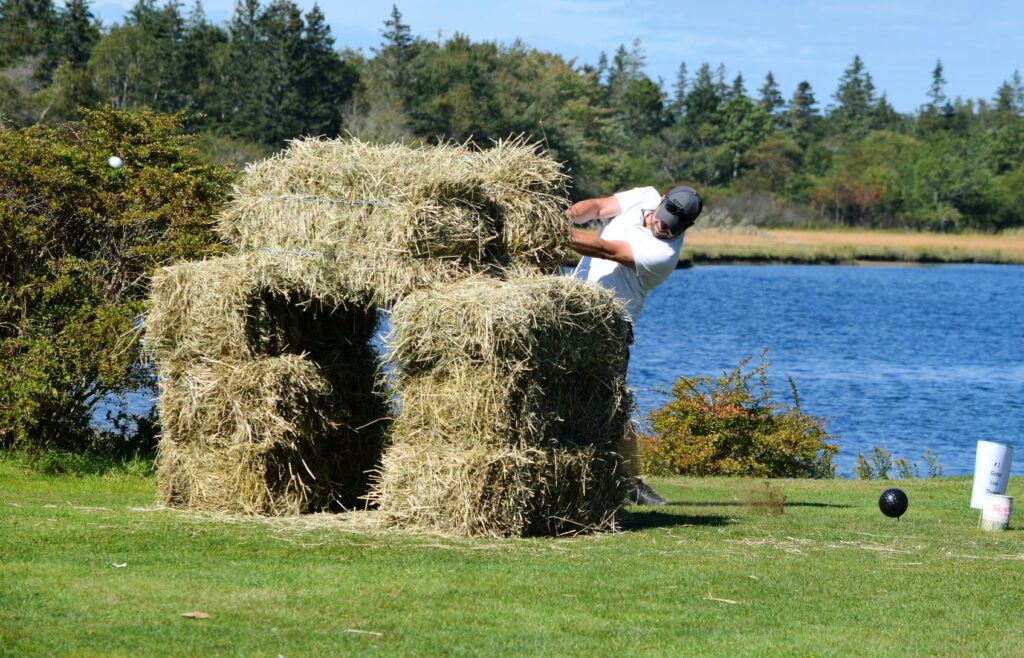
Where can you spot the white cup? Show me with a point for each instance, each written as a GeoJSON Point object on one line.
{"type": "Point", "coordinates": [991, 471]}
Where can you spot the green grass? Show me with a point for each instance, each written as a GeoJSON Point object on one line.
{"type": "Point", "coordinates": [707, 576]}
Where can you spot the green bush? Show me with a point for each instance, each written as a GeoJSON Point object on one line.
{"type": "Point", "coordinates": [732, 426]}
{"type": "Point", "coordinates": [879, 465]}
{"type": "Point", "coordinates": [78, 240]}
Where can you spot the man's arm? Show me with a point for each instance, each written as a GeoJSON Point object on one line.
{"type": "Point", "coordinates": [588, 209]}
{"type": "Point", "coordinates": [590, 244]}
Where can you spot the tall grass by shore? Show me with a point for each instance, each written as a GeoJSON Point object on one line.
{"type": "Point", "coordinates": [848, 246]}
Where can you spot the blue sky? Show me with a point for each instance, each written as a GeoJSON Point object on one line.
{"type": "Point", "coordinates": [980, 43]}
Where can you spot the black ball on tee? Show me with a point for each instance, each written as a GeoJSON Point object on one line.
{"type": "Point", "coordinates": [893, 502]}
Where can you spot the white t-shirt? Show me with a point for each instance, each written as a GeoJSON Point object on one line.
{"type": "Point", "coordinates": [655, 259]}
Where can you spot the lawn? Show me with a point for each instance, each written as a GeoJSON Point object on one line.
{"type": "Point", "coordinates": [91, 567]}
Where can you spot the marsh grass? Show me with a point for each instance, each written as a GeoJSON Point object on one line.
{"type": "Point", "coordinates": [706, 575]}
{"type": "Point", "coordinates": [849, 247]}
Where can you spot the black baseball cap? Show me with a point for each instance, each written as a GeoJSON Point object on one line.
{"type": "Point", "coordinates": [680, 208]}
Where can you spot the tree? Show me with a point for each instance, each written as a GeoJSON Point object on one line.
{"type": "Point", "coordinates": [855, 98]}
{"type": "Point", "coordinates": [703, 99]}
{"type": "Point", "coordinates": [330, 80]}
{"type": "Point", "coordinates": [139, 64]}
{"type": "Point", "coordinates": [643, 108]}
{"type": "Point", "coordinates": [802, 119]}
{"type": "Point", "coordinates": [884, 116]}
{"type": "Point", "coordinates": [287, 71]}
{"type": "Point", "coordinates": [1010, 95]}
{"type": "Point", "coordinates": [677, 106]}
{"type": "Point", "coordinates": [199, 53]}
{"type": "Point", "coordinates": [771, 99]}
{"type": "Point", "coordinates": [239, 98]}
{"type": "Point", "coordinates": [744, 124]}
{"type": "Point", "coordinates": [396, 56]}
{"type": "Point", "coordinates": [26, 26]}
{"type": "Point", "coordinates": [937, 91]}
{"type": "Point", "coordinates": [75, 33]}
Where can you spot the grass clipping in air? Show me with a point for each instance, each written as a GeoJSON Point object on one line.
{"type": "Point", "coordinates": [269, 396]}
{"type": "Point", "coordinates": [513, 406]}
{"type": "Point", "coordinates": [394, 219]}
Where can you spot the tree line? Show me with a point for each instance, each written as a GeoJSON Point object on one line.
{"type": "Point", "coordinates": [274, 72]}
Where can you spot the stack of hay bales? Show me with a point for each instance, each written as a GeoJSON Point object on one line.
{"type": "Point", "coordinates": [395, 219]}
{"type": "Point", "coordinates": [513, 406]}
{"type": "Point", "coordinates": [270, 401]}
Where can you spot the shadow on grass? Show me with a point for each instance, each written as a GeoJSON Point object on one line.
{"type": "Point", "coordinates": [634, 520]}
{"type": "Point", "coordinates": [694, 503]}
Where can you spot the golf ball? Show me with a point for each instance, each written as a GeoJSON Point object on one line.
{"type": "Point", "coordinates": [115, 162]}
{"type": "Point", "coordinates": [893, 502]}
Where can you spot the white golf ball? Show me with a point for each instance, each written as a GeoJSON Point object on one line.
{"type": "Point", "coordinates": [115, 162]}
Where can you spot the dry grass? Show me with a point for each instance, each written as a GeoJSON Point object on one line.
{"type": "Point", "coordinates": [513, 405]}
{"type": "Point", "coordinates": [394, 219]}
{"type": "Point", "coordinates": [275, 435]}
{"type": "Point", "coordinates": [851, 246]}
{"type": "Point", "coordinates": [500, 492]}
{"type": "Point", "coordinates": [270, 401]}
{"type": "Point", "coordinates": [240, 307]}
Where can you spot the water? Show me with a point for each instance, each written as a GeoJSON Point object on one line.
{"type": "Point", "coordinates": [903, 358]}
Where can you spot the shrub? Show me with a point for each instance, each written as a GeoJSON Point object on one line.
{"type": "Point", "coordinates": [732, 426]}
{"type": "Point", "coordinates": [78, 239]}
{"type": "Point", "coordinates": [879, 463]}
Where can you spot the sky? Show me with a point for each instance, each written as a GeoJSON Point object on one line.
{"type": "Point", "coordinates": [980, 44]}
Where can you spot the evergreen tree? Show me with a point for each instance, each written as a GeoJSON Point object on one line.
{"type": "Point", "coordinates": [884, 116]}
{"type": "Point", "coordinates": [75, 33]}
{"type": "Point", "coordinates": [240, 99]}
{"type": "Point", "coordinates": [138, 63]}
{"type": "Point", "coordinates": [678, 104]}
{"type": "Point", "coordinates": [395, 60]}
{"type": "Point", "coordinates": [618, 77]}
{"type": "Point", "coordinates": [201, 46]}
{"type": "Point", "coordinates": [1010, 95]}
{"type": "Point", "coordinates": [703, 99]}
{"type": "Point", "coordinates": [288, 68]}
{"type": "Point", "coordinates": [329, 81]}
{"type": "Point", "coordinates": [802, 118]}
{"type": "Point", "coordinates": [738, 87]}
{"type": "Point", "coordinates": [855, 99]}
{"type": "Point", "coordinates": [26, 27]}
{"type": "Point", "coordinates": [937, 91]}
{"type": "Point", "coordinates": [771, 98]}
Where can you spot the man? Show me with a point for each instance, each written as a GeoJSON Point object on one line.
{"type": "Point", "coordinates": [632, 254]}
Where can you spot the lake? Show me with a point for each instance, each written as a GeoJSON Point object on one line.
{"type": "Point", "coordinates": [903, 358]}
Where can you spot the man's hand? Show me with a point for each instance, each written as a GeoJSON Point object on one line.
{"type": "Point", "coordinates": [590, 244]}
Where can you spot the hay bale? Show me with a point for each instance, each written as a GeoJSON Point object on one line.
{"type": "Point", "coordinates": [542, 408]}
{"type": "Point", "coordinates": [513, 403]}
{"type": "Point", "coordinates": [523, 322]}
{"type": "Point", "coordinates": [274, 435]}
{"type": "Point", "coordinates": [500, 492]}
{"type": "Point", "coordinates": [395, 218]}
{"type": "Point", "coordinates": [271, 400]}
{"type": "Point", "coordinates": [240, 307]}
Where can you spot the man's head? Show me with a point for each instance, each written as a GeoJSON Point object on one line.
{"type": "Point", "coordinates": [677, 212]}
